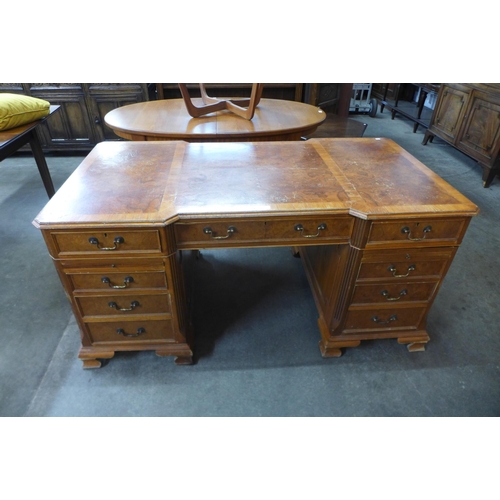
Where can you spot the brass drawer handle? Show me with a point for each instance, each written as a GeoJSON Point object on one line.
{"type": "Point", "coordinates": [117, 241]}
{"type": "Point", "coordinates": [381, 322]}
{"type": "Point", "coordinates": [402, 293]}
{"type": "Point", "coordinates": [406, 230]}
{"type": "Point", "coordinates": [126, 281]}
{"type": "Point", "coordinates": [140, 331]}
{"type": "Point", "coordinates": [300, 227]}
{"type": "Point", "coordinates": [133, 305]}
{"type": "Point", "coordinates": [230, 230]}
{"type": "Point", "coordinates": [393, 270]}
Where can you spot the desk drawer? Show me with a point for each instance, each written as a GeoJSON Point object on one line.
{"type": "Point", "coordinates": [383, 319]}
{"type": "Point", "coordinates": [123, 304]}
{"type": "Point", "coordinates": [215, 233]}
{"type": "Point", "coordinates": [286, 231]}
{"type": "Point", "coordinates": [405, 265]}
{"type": "Point", "coordinates": [314, 231]}
{"type": "Point", "coordinates": [392, 293]}
{"type": "Point", "coordinates": [106, 280]}
{"type": "Point", "coordinates": [418, 232]}
{"type": "Point", "coordinates": [119, 332]}
{"type": "Point", "coordinates": [107, 243]}
{"type": "Point", "coordinates": [402, 269]}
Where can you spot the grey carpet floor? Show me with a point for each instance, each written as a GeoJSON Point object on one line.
{"type": "Point", "coordinates": [256, 332]}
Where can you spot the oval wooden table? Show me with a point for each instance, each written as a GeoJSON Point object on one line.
{"type": "Point", "coordinates": [168, 119]}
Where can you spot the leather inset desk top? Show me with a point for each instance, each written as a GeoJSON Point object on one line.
{"type": "Point", "coordinates": [155, 182]}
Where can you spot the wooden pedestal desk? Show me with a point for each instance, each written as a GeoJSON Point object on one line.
{"type": "Point", "coordinates": [375, 229]}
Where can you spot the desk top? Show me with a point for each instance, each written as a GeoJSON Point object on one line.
{"type": "Point", "coordinates": [138, 183]}
{"type": "Point", "coordinates": [169, 119]}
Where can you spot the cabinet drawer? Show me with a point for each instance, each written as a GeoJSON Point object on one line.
{"type": "Point", "coordinates": [131, 331]}
{"type": "Point", "coordinates": [383, 319]}
{"type": "Point", "coordinates": [224, 233]}
{"type": "Point", "coordinates": [421, 232]}
{"type": "Point", "coordinates": [106, 280]}
{"type": "Point", "coordinates": [123, 304]}
{"type": "Point", "coordinates": [110, 242]}
{"type": "Point", "coordinates": [387, 293]}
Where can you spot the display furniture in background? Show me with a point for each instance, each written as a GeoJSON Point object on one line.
{"type": "Point", "coordinates": [79, 124]}
{"type": "Point", "coordinates": [467, 116]}
{"type": "Point", "coordinates": [168, 119]}
{"type": "Point", "coordinates": [408, 100]}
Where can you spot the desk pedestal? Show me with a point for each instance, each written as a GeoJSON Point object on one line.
{"type": "Point", "coordinates": [378, 285]}
{"type": "Point", "coordinates": [384, 289]}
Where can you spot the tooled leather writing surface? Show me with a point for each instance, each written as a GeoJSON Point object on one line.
{"type": "Point", "coordinates": [116, 183]}
{"type": "Point", "coordinates": [154, 182]}
{"type": "Point", "coordinates": [256, 178]}
{"type": "Point", "coordinates": [390, 180]}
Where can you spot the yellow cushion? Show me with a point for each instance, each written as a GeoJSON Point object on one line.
{"type": "Point", "coordinates": [17, 110]}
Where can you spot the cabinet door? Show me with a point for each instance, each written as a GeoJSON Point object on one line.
{"type": "Point", "coordinates": [480, 135]}
{"type": "Point", "coordinates": [70, 126]}
{"type": "Point", "coordinates": [450, 110]}
{"type": "Point", "coordinates": [103, 98]}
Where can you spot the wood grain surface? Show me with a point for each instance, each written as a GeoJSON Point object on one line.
{"type": "Point", "coordinates": [168, 119]}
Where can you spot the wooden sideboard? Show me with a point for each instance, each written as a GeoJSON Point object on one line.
{"type": "Point", "coordinates": [375, 247]}
{"type": "Point", "coordinates": [79, 124]}
{"type": "Point", "coordinates": [467, 116]}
